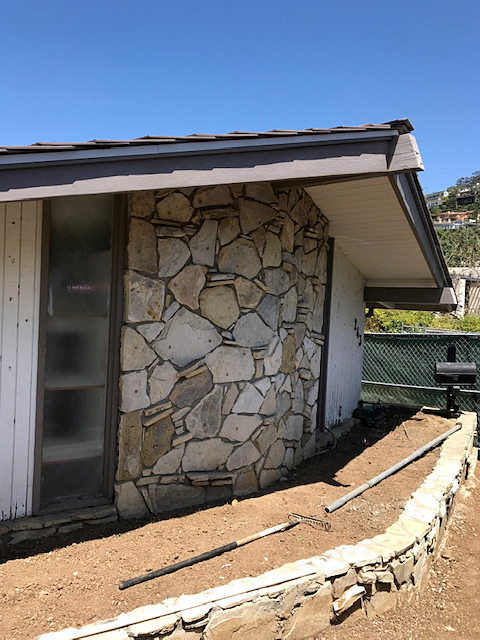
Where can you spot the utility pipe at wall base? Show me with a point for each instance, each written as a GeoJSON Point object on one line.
{"type": "Point", "coordinates": [388, 472]}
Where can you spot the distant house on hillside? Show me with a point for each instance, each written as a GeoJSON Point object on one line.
{"type": "Point", "coordinates": [452, 219]}
{"type": "Point", "coordinates": [435, 199]}
{"type": "Point", "coordinates": [465, 197]}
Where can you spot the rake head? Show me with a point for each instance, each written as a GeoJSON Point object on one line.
{"type": "Point", "coordinates": [315, 522]}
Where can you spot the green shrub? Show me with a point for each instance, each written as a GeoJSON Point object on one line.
{"type": "Point", "coordinates": [391, 321]}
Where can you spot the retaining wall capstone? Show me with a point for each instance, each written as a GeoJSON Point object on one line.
{"type": "Point", "coordinates": [299, 600]}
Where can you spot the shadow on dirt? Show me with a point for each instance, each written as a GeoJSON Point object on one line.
{"type": "Point", "coordinates": [318, 469]}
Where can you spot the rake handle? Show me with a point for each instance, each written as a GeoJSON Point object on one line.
{"type": "Point", "coordinates": [206, 555]}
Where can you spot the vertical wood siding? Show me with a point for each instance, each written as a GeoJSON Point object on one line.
{"type": "Point", "coordinates": [347, 319]}
{"type": "Point", "coordinates": [20, 257]}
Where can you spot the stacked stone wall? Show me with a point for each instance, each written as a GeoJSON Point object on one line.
{"type": "Point", "coordinates": [221, 343]}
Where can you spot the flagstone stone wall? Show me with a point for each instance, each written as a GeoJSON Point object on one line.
{"type": "Point", "coordinates": [221, 343]}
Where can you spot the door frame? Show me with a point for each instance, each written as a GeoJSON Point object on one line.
{"type": "Point", "coordinates": [113, 362]}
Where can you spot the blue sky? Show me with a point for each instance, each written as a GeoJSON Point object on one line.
{"type": "Point", "coordinates": [74, 70]}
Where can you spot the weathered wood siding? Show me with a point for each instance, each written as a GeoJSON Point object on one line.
{"type": "Point", "coordinates": [20, 257]}
{"type": "Point", "coordinates": [347, 318]}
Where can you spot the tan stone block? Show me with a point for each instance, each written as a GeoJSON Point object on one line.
{"type": "Point", "coordinates": [129, 501]}
{"type": "Point", "coordinates": [288, 355]}
{"type": "Point", "coordinates": [212, 197]}
{"type": "Point", "coordinates": [144, 298]}
{"type": "Point", "coordinates": [311, 617]}
{"type": "Point", "coordinates": [228, 230]}
{"type": "Point", "coordinates": [175, 207]}
{"type": "Point", "coordinates": [348, 599]}
{"type": "Point", "coordinates": [151, 628]}
{"type": "Point", "coordinates": [135, 353]}
{"type": "Point", "coordinates": [258, 237]}
{"type": "Point", "coordinates": [403, 570]}
{"type": "Point", "coordinates": [220, 306]}
{"type": "Point", "coordinates": [203, 243]}
{"type": "Point", "coordinates": [141, 204]}
{"type": "Point", "coordinates": [255, 214]}
{"type": "Point", "coordinates": [248, 293]}
{"type": "Point", "coordinates": [261, 191]}
{"type": "Point", "coordinates": [344, 582]}
{"type": "Point", "coordinates": [245, 483]}
{"type": "Point", "coordinates": [380, 602]}
{"type": "Point", "coordinates": [241, 257]}
{"type": "Point", "coordinates": [142, 246]}
{"type": "Point", "coordinates": [157, 441]}
{"type": "Point", "coordinates": [287, 235]}
{"type": "Point", "coordinates": [272, 253]}
{"type": "Point", "coordinates": [187, 285]}
{"type": "Point", "coordinates": [249, 621]}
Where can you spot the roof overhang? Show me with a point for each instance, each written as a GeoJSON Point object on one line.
{"type": "Point", "coordinates": [49, 174]}
{"type": "Point", "coordinates": [383, 226]}
{"type": "Point", "coordinates": [363, 180]}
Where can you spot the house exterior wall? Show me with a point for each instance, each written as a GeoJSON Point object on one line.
{"type": "Point", "coordinates": [20, 260]}
{"type": "Point", "coordinates": [345, 347]}
{"type": "Point", "coordinates": [221, 343]}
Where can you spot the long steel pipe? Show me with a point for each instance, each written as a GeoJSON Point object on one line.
{"type": "Point", "coordinates": [388, 472]}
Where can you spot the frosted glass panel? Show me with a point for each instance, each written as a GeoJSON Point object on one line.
{"type": "Point", "coordinates": [76, 347]}
{"type": "Point", "coordinates": [72, 479]}
{"type": "Point", "coordinates": [80, 256]}
{"type": "Point", "coordinates": [76, 352]}
{"type": "Point", "coordinates": [73, 425]}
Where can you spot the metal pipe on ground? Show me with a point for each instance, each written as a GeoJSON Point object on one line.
{"type": "Point", "coordinates": [388, 472]}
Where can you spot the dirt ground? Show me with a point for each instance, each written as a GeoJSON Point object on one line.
{"type": "Point", "coordinates": [73, 580]}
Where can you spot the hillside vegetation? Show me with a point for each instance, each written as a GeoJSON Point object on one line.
{"type": "Point", "coordinates": [392, 321]}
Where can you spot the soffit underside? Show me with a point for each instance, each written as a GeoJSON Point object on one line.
{"type": "Point", "coordinates": [368, 222]}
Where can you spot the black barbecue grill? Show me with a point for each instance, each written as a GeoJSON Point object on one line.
{"type": "Point", "coordinates": [453, 375]}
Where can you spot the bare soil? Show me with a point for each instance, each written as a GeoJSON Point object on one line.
{"type": "Point", "coordinates": [72, 580]}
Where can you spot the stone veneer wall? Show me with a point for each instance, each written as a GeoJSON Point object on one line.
{"type": "Point", "coordinates": [221, 343]}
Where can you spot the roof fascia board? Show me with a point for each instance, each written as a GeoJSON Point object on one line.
{"type": "Point", "coordinates": [421, 298]}
{"type": "Point", "coordinates": [271, 164]}
{"type": "Point", "coordinates": [411, 198]}
{"type": "Point", "coordinates": [171, 149]}
{"type": "Point", "coordinates": [404, 150]}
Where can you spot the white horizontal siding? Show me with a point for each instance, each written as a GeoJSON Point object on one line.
{"type": "Point", "coordinates": [20, 258]}
{"type": "Point", "coordinates": [345, 347]}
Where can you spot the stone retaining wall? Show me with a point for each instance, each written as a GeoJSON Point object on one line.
{"type": "Point", "coordinates": [298, 600]}
{"type": "Point", "coordinates": [221, 343]}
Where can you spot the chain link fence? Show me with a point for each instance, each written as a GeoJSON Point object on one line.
{"type": "Point", "coordinates": [398, 367]}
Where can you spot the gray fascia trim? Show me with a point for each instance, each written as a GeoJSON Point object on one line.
{"type": "Point", "coordinates": [410, 195]}
{"type": "Point", "coordinates": [431, 227]}
{"type": "Point", "coordinates": [419, 298]}
{"type": "Point", "coordinates": [172, 149]}
{"type": "Point", "coordinates": [271, 164]}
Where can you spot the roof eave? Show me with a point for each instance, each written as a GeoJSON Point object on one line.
{"type": "Point", "coordinates": [120, 169]}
